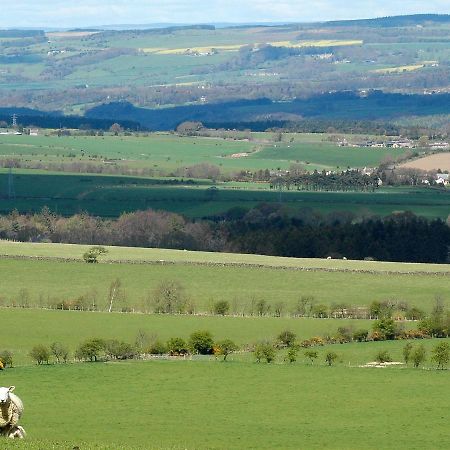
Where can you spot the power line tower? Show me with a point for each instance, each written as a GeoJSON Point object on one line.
{"type": "Point", "coordinates": [11, 190]}
{"type": "Point", "coordinates": [14, 120]}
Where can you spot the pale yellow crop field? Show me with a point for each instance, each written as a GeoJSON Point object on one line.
{"type": "Point", "coordinates": [70, 34]}
{"type": "Point", "coordinates": [236, 47]}
{"type": "Point", "coordinates": [400, 69]}
{"type": "Point", "coordinates": [318, 43]}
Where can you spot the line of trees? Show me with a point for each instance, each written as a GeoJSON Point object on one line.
{"type": "Point", "coordinates": [344, 181]}
{"type": "Point", "coordinates": [170, 297]}
{"type": "Point", "coordinates": [266, 229]}
{"type": "Point", "coordinates": [96, 349]}
{"type": "Point", "coordinates": [202, 342]}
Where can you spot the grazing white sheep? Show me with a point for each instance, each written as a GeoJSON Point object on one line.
{"type": "Point", "coordinates": [11, 410]}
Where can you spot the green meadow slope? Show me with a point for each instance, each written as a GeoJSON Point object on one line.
{"type": "Point", "coordinates": [242, 280]}
{"type": "Point", "coordinates": [212, 405]}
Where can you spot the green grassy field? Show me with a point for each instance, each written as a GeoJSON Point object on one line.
{"type": "Point", "coordinates": [138, 254]}
{"type": "Point", "coordinates": [110, 196]}
{"type": "Point", "coordinates": [168, 152]}
{"type": "Point", "coordinates": [73, 327]}
{"type": "Point", "coordinates": [203, 403]}
{"type": "Point", "coordinates": [324, 155]}
{"type": "Point", "coordinates": [204, 285]}
{"type": "Point", "coordinates": [212, 405]}
{"type": "Point", "coordinates": [242, 284]}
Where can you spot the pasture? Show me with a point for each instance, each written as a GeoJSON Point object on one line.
{"type": "Point", "coordinates": [73, 327]}
{"type": "Point", "coordinates": [167, 152]}
{"type": "Point", "coordinates": [201, 402]}
{"type": "Point", "coordinates": [160, 255]}
{"type": "Point", "coordinates": [110, 196]}
{"type": "Point", "coordinates": [162, 154]}
{"type": "Point", "coordinates": [215, 405]}
{"type": "Point", "coordinates": [241, 280]}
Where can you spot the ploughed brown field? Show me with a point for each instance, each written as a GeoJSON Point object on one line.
{"type": "Point", "coordinates": [437, 161]}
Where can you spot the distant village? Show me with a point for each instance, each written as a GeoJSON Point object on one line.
{"type": "Point", "coordinates": [400, 143]}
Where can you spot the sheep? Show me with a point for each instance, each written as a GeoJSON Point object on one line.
{"type": "Point", "coordinates": [13, 432]}
{"type": "Point", "coordinates": [11, 410]}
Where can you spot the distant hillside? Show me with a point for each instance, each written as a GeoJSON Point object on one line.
{"type": "Point", "coordinates": [394, 21]}
{"type": "Point", "coordinates": [338, 105]}
{"type": "Point", "coordinates": [21, 33]}
{"type": "Point", "coordinates": [32, 117]}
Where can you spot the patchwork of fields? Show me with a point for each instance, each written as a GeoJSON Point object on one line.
{"type": "Point", "coordinates": [180, 404]}
{"type": "Point", "coordinates": [199, 401]}
{"type": "Point", "coordinates": [163, 154]}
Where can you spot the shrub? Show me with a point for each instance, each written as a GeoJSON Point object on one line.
{"type": "Point", "coordinates": [415, 334]}
{"type": "Point", "coordinates": [40, 353]}
{"type": "Point", "coordinates": [320, 311]}
{"type": "Point", "coordinates": [221, 308]}
{"type": "Point", "coordinates": [386, 327]}
{"type": "Point", "coordinates": [177, 346]}
{"type": "Point", "coordinates": [441, 354]}
{"type": "Point", "coordinates": [157, 348]}
{"type": "Point", "coordinates": [377, 336]}
{"type": "Point", "coordinates": [311, 355]}
{"type": "Point", "coordinates": [330, 358]}
{"type": "Point", "coordinates": [418, 355]}
{"type": "Point", "coordinates": [291, 355]}
{"type": "Point", "coordinates": [314, 341]}
{"type": "Point", "coordinates": [407, 349]}
{"type": "Point", "coordinates": [92, 255]}
{"type": "Point", "coordinates": [264, 350]}
{"type": "Point", "coordinates": [360, 335]}
{"type": "Point", "coordinates": [287, 338]}
{"type": "Point", "coordinates": [118, 349]}
{"type": "Point", "coordinates": [317, 340]}
{"type": "Point", "coordinates": [383, 356]}
{"type": "Point", "coordinates": [201, 342]}
{"type": "Point", "coordinates": [6, 357]}
{"type": "Point", "coordinates": [59, 351]}
{"type": "Point", "coordinates": [226, 347]}
{"type": "Point", "coordinates": [90, 350]}
{"type": "Point", "coordinates": [344, 334]}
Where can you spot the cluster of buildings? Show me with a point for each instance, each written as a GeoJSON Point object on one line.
{"type": "Point", "coordinates": [442, 178]}
{"type": "Point", "coordinates": [393, 143]}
